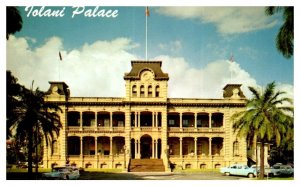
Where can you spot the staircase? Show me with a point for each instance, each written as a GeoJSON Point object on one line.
{"type": "Point", "coordinates": [146, 165]}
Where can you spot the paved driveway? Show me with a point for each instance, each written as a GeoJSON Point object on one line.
{"type": "Point", "coordinates": [158, 176]}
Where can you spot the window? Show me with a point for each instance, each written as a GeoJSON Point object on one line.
{"type": "Point", "coordinates": [134, 91]}
{"type": "Point", "coordinates": [157, 91]}
{"type": "Point", "coordinates": [142, 91]}
{"type": "Point", "coordinates": [236, 148]}
{"type": "Point", "coordinates": [150, 91]}
{"type": "Point", "coordinates": [54, 147]}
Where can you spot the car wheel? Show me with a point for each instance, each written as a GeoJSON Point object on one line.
{"type": "Point", "coordinates": [227, 174]}
{"type": "Point", "coordinates": [250, 175]}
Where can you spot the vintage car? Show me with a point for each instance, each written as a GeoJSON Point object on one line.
{"type": "Point", "coordinates": [62, 173]}
{"type": "Point", "coordinates": [282, 170]}
{"type": "Point", "coordinates": [238, 170]}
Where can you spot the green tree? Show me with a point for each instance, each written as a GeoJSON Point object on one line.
{"type": "Point", "coordinates": [265, 119]}
{"type": "Point", "coordinates": [33, 117]}
{"type": "Point", "coordinates": [14, 21]}
{"type": "Point", "coordinates": [285, 36]}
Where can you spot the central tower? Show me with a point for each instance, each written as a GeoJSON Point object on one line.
{"type": "Point", "coordinates": [146, 82]}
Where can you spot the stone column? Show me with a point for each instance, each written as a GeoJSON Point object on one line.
{"type": "Point", "coordinates": [209, 146]}
{"type": "Point", "coordinates": [180, 149]}
{"type": "Point", "coordinates": [96, 123]}
{"type": "Point", "coordinates": [81, 146]}
{"type": "Point", "coordinates": [111, 146]}
{"type": "Point", "coordinates": [153, 119]}
{"type": "Point", "coordinates": [111, 120]}
{"type": "Point", "coordinates": [156, 145]}
{"type": "Point", "coordinates": [156, 119]}
{"type": "Point", "coordinates": [209, 120]}
{"type": "Point", "coordinates": [180, 121]}
{"type": "Point", "coordinates": [80, 121]}
{"type": "Point", "coordinates": [81, 151]}
{"type": "Point", "coordinates": [139, 120]}
{"type": "Point", "coordinates": [96, 151]}
{"type": "Point", "coordinates": [195, 147]}
{"type": "Point", "coordinates": [153, 148]}
{"type": "Point", "coordinates": [135, 149]}
{"type": "Point", "coordinates": [195, 125]}
{"type": "Point", "coordinates": [135, 119]}
{"type": "Point", "coordinates": [139, 148]}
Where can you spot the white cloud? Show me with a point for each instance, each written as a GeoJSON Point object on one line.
{"type": "Point", "coordinates": [228, 20]}
{"type": "Point", "coordinates": [93, 70]}
{"type": "Point", "coordinates": [97, 69]}
{"type": "Point", "coordinates": [172, 46]}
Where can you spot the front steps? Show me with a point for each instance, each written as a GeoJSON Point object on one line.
{"type": "Point", "coordinates": [146, 165]}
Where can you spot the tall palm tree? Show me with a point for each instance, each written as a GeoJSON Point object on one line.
{"type": "Point", "coordinates": [34, 116]}
{"type": "Point", "coordinates": [265, 119]}
{"type": "Point", "coordinates": [285, 36]}
{"type": "Point", "coordinates": [14, 21]}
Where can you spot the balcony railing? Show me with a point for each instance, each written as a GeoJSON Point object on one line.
{"type": "Point", "coordinates": [92, 129]}
{"type": "Point", "coordinates": [198, 129]}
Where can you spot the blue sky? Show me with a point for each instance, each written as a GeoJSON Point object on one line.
{"type": "Point", "coordinates": [193, 43]}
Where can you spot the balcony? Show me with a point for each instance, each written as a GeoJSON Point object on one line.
{"type": "Point", "coordinates": [94, 129]}
{"type": "Point", "coordinates": [199, 129]}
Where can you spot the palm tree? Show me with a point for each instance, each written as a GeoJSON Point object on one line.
{"type": "Point", "coordinates": [285, 36]}
{"type": "Point", "coordinates": [14, 21]}
{"type": "Point", "coordinates": [265, 119]}
{"type": "Point", "coordinates": [34, 116]}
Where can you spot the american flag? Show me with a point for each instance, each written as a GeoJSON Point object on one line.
{"type": "Point", "coordinates": [60, 56]}
{"type": "Point", "coordinates": [147, 11]}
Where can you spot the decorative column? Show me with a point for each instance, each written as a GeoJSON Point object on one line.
{"type": "Point", "coordinates": [180, 149]}
{"type": "Point", "coordinates": [135, 149]}
{"type": "Point", "coordinates": [139, 149]}
{"type": "Point", "coordinates": [156, 119]}
{"type": "Point", "coordinates": [139, 120]}
{"type": "Point", "coordinates": [195, 147]}
{"type": "Point", "coordinates": [135, 119]}
{"type": "Point", "coordinates": [111, 120]}
{"type": "Point", "coordinates": [81, 150]}
{"type": "Point", "coordinates": [96, 151]}
{"type": "Point", "coordinates": [195, 125]}
{"type": "Point", "coordinates": [96, 122]}
{"type": "Point", "coordinates": [209, 146]}
{"type": "Point", "coordinates": [153, 148]}
{"type": "Point", "coordinates": [156, 145]}
{"type": "Point", "coordinates": [153, 119]}
{"type": "Point", "coordinates": [209, 120]}
{"type": "Point", "coordinates": [180, 121]}
{"type": "Point", "coordinates": [80, 121]}
{"type": "Point", "coordinates": [110, 146]}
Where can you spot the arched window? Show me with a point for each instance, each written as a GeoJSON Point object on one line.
{"type": "Point", "coordinates": [142, 91]}
{"type": "Point", "coordinates": [236, 148]}
{"type": "Point", "coordinates": [134, 91]}
{"type": "Point", "coordinates": [54, 147]}
{"type": "Point", "coordinates": [157, 91]}
{"type": "Point", "coordinates": [150, 91]}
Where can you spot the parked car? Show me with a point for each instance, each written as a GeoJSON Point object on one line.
{"type": "Point", "coordinates": [238, 170]}
{"type": "Point", "coordinates": [282, 170]}
{"type": "Point", "coordinates": [62, 173]}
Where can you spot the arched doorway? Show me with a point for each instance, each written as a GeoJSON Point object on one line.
{"type": "Point", "coordinates": [146, 147]}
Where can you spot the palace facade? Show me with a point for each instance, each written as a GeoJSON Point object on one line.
{"type": "Point", "coordinates": [110, 132]}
